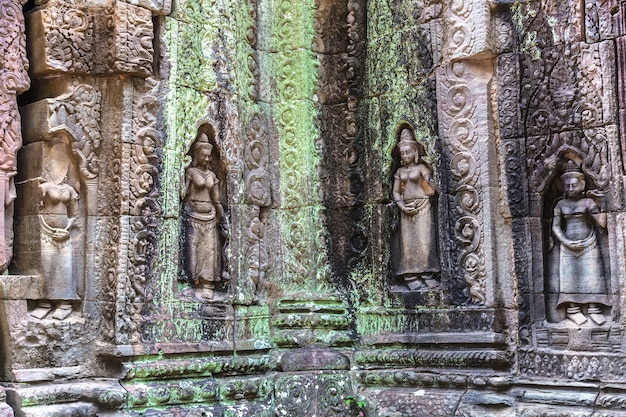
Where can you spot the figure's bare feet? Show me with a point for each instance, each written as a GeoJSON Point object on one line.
{"type": "Point", "coordinates": [204, 293]}
{"type": "Point", "coordinates": [598, 319]}
{"type": "Point", "coordinates": [41, 310]}
{"type": "Point", "coordinates": [415, 283]}
{"type": "Point", "coordinates": [430, 281]}
{"type": "Point", "coordinates": [578, 318]}
{"type": "Point", "coordinates": [62, 311]}
{"type": "Point", "coordinates": [574, 314]}
{"type": "Point", "coordinates": [595, 314]}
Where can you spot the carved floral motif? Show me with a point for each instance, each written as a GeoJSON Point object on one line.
{"type": "Point", "coordinates": [76, 38]}
{"type": "Point", "coordinates": [68, 36]}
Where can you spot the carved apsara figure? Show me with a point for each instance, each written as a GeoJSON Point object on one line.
{"type": "Point", "coordinates": [582, 280]}
{"type": "Point", "coordinates": [56, 218]}
{"type": "Point", "coordinates": [412, 192]}
{"type": "Point", "coordinates": [204, 214]}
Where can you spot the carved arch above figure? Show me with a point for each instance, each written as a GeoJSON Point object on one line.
{"type": "Point", "coordinates": [545, 155]}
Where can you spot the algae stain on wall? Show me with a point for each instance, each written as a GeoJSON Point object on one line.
{"type": "Point", "coordinates": [293, 69]}
{"type": "Point", "coordinates": [398, 88]}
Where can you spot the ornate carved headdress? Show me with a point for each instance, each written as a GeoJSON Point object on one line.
{"type": "Point", "coordinates": [407, 138]}
{"type": "Point", "coordinates": [572, 170]}
{"type": "Point", "coordinates": [201, 142]}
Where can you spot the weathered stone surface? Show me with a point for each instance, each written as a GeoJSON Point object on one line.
{"type": "Point", "coordinates": [352, 208]}
{"type": "Point", "coordinates": [90, 39]}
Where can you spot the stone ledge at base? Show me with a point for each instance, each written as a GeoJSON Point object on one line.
{"type": "Point", "coordinates": [76, 398]}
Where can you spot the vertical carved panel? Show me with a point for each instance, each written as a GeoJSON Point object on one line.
{"type": "Point", "coordinates": [13, 80]}
{"type": "Point", "coordinates": [141, 208]}
{"type": "Point", "coordinates": [341, 169]}
{"type": "Point", "coordinates": [460, 133]}
{"type": "Point", "coordinates": [467, 29]}
{"type": "Point", "coordinates": [259, 197]}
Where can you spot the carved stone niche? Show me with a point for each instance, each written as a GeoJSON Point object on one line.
{"type": "Point", "coordinates": [44, 310]}
{"type": "Point", "coordinates": [205, 224]}
{"type": "Point", "coordinates": [414, 244]}
{"type": "Point", "coordinates": [578, 292]}
{"type": "Point", "coordinates": [46, 317]}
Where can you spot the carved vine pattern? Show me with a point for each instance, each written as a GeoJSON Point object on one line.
{"type": "Point", "coordinates": [142, 170]}
{"type": "Point", "coordinates": [463, 31]}
{"type": "Point", "coordinates": [253, 59]}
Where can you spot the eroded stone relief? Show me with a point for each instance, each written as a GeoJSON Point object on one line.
{"type": "Point", "coordinates": [13, 81]}
{"type": "Point", "coordinates": [339, 208]}
{"type": "Point", "coordinates": [259, 197]}
{"type": "Point", "coordinates": [582, 279]}
{"type": "Point", "coordinates": [56, 218]}
{"type": "Point", "coordinates": [413, 189]}
{"type": "Point", "coordinates": [206, 224]}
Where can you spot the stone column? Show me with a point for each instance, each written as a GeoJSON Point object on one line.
{"type": "Point", "coordinates": [13, 81]}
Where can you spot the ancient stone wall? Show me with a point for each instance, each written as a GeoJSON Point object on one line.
{"type": "Point", "coordinates": [315, 207]}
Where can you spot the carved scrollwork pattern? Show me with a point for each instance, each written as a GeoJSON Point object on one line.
{"type": "Point", "coordinates": [145, 151]}
{"type": "Point", "coordinates": [259, 197]}
{"type": "Point", "coordinates": [340, 142]}
{"type": "Point", "coordinates": [458, 122]}
{"type": "Point", "coordinates": [13, 81]}
{"type": "Point", "coordinates": [252, 60]}
{"type": "Point", "coordinates": [132, 39]}
{"type": "Point", "coordinates": [106, 265]}
{"type": "Point", "coordinates": [141, 250]}
{"type": "Point", "coordinates": [467, 29]}
{"type": "Point", "coordinates": [141, 167]}
{"type": "Point", "coordinates": [81, 39]}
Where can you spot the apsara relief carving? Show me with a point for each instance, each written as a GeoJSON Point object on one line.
{"type": "Point", "coordinates": [205, 221]}
{"type": "Point", "coordinates": [413, 192]}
